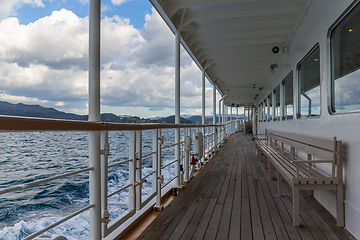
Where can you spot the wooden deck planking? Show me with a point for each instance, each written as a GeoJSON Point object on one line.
{"type": "Point", "coordinates": [232, 197]}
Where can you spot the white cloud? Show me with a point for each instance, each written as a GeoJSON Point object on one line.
{"type": "Point", "coordinates": [47, 60]}
{"type": "Point", "coordinates": [8, 7]}
{"type": "Point", "coordinates": [16, 99]}
{"type": "Point", "coordinates": [60, 104]}
{"type": "Point", "coordinates": [119, 2]}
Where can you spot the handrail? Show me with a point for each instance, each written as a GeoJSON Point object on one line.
{"type": "Point", "coordinates": [10, 123]}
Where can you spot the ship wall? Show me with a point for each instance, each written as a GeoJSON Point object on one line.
{"type": "Point", "coordinates": [313, 30]}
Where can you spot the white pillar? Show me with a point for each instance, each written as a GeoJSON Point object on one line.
{"type": "Point", "coordinates": [220, 112]}
{"type": "Point", "coordinates": [237, 112]}
{"type": "Point", "coordinates": [203, 110]}
{"type": "Point", "coordinates": [214, 118]}
{"type": "Point", "coordinates": [177, 106]}
{"type": "Point", "coordinates": [94, 115]}
{"type": "Point", "coordinates": [214, 104]}
{"type": "Point", "coordinates": [203, 96]}
{"type": "Point", "coordinates": [223, 112]}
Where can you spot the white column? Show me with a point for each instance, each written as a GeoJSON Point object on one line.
{"type": "Point", "coordinates": [94, 115]}
{"type": "Point", "coordinates": [214, 104]}
{"type": "Point", "coordinates": [220, 112]}
{"type": "Point", "coordinates": [177, 106]}
{"type": "Point", "coordinates": [214, 118]}
{"type": "Point", "coordinates": [203, 110]}
{"type": "Point", "coordinates": [237, 112]}
{"type": "Point", "coordinates": [203, 96]}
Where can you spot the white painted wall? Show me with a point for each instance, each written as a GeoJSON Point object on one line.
{"type": "Point", "coordinates": [346, 127]}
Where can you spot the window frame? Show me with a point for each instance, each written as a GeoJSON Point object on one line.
{"type": "Point", "coordinates": [265, 110]}
{"type": "Point", "coordinates": [277, 89]}
{"type": "Point", "coordinates": [298, 88]}
{"type": "Point", "coordinates": [270, 108]}
{"type": "Point", "coordinates": [330, 81]}
{"type": "Point", "coordinates": [284, 118]}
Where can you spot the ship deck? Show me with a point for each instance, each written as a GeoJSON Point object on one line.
{"type": "Point", "coordinates": [233, 198]}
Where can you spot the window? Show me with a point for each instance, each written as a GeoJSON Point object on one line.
{"type": "Point", "coordinates": [259, 113]}
{"type": "Point", "coordinates": [345, 61]}
{"type": "Point", "coordinates": [265, 110]}
{"type": "Point", "coordinates": [309, 85]}
{"type": "Point", "coordinates": [270, 107]}
{"type": "Point", "coordinates": [277, 103]}
{"type": "Point", "coordinates": [288, 107]}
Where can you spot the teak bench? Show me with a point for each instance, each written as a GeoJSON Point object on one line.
{"type": "Point", "coordinates": [283, 150]}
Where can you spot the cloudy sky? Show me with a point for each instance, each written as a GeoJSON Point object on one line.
{"type": "Point", "coordinates": [44, 58]}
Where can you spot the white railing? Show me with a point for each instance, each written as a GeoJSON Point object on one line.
{"type": "Point", "coordinates": [215, 135]}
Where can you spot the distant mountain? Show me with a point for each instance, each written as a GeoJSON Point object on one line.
{"type": "Point", "coordinates": [24, 110]}
{"type": "Point", "coordinates": [171, 119]}
{"type": "Point", "coordinates": [198, 119]}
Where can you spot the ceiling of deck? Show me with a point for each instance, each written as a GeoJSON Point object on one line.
{"type": "Point", "coordinates": [233, 39]}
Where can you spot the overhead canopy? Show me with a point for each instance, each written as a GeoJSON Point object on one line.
{"type": "Point", "coordinates": [234, 39]}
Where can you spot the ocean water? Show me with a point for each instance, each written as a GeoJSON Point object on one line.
{"type": "Point", "coordinates": [29, 156]}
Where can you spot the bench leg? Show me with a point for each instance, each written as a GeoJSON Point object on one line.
{"type": "Point", "coordinates": [279, 178]}
{"type": "Point", "coordinates": [271, 170]}
{"type": "Point", "coordinates": [340, 221]}
{"type": "Point", "coordinates": [296, 212]}
{"type": "Point", "coordinates": [264, 160]}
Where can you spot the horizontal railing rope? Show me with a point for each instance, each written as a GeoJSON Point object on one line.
{"type": "Point", "coordinates": [59, 222]}
{"type": "Point", "coordinates": [119, 190]}
{"type": "Point", "coordinates": [119, 163]}
{"type": "Point", "coordinates": [38, 182]}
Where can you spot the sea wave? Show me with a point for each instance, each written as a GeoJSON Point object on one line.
{"type": "Point", "coordinates": [26, 157]}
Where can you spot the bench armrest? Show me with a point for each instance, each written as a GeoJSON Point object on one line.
{"type": "Point", "coordinates": [311, 161]}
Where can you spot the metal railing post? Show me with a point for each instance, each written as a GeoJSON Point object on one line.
{"type": "Point", "coordinates": [187, 159]}
{"type": "Point", "coordinates": [177, 157]}
{"type": "Point", "coordinates": [104, 181]}
{"type": "Point", "coordinates": [215, 139]}
{"type": "Point", "coordinates": [95, 185]}
{"type": "Point", "coordinates": [138, 168]}
{"type": "Point", "coordinates": [159, 178]}
{"type": "Point", "coordinates": [132, 167]}
{"type": "Point", "coordinates": [155, 160]}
